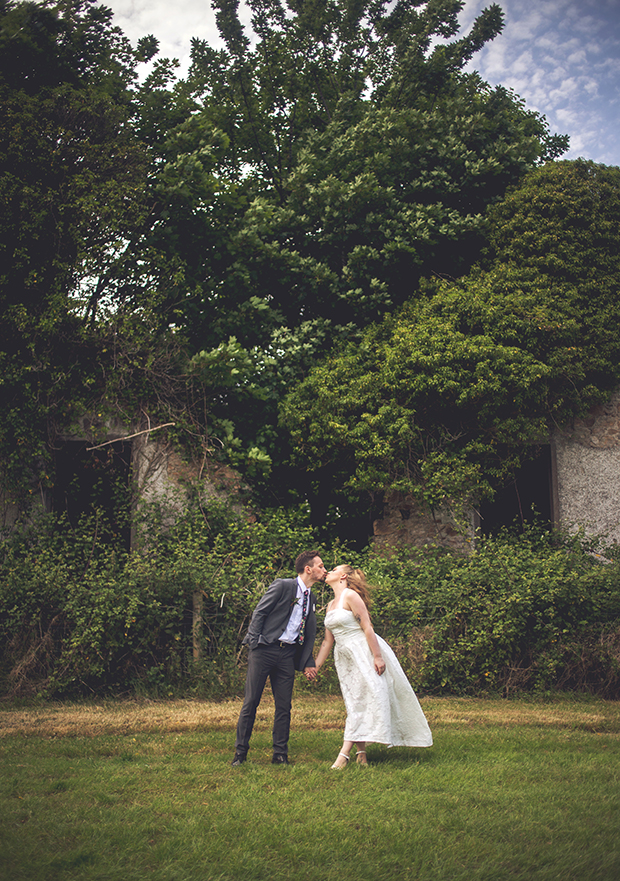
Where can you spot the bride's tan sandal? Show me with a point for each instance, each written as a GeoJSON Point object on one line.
{"type": "Point", "coordinates": [360, 757]}
{"type": "Point", "coordinates": [338, 765]}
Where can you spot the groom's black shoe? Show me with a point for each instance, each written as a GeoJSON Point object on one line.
{"type": "Point", "coordinates": [237, 760]}
{"type": "Point", "coordinates": [279, 760]}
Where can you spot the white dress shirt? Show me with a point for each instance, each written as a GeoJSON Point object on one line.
{"type": "Point", "coordinates": [294, 622]}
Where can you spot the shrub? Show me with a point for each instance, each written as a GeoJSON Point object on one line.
{"type": "Point", "coordinates": [538, 611]}
{"type": "Point", "coordinates": [79, 616]}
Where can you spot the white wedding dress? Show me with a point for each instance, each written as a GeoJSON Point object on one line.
{"type": "Point", "coordinates": [380, 709]}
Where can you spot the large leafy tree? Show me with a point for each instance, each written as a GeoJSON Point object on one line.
{"type": "Point", "coordinates": [109, 223]}
{"type": "Point", "coordinates": [308, 59]}
{"type": "Point", "coordinates": [107, 192]}
{"type": "Point", "coordinates": [376, 204]}
{"type": "Point", "coordinates": [296, 186]}
{"type": "Point", "coordinates": [93, 166]}
{"type": "Point", "coordinates": [360, 158]}
{"type": "Point", "coordinates": [444, 398]}
{"type": "Point", "coordinates": [368, 157]}
{"type": "Point", "coordinates": [71, 183]}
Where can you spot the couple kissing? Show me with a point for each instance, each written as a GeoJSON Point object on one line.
{"type": "Point", "coordinates": [380, 702]}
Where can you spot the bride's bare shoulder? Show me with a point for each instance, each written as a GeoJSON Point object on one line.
{"type": "Point", "coordinates": [346, 595]}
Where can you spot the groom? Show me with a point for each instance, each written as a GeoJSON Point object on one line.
{"type": "Point", "coordinates": [280, 639]}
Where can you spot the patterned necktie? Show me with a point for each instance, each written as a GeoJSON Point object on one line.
{"type": "Point", "coordinates": [304, 615]}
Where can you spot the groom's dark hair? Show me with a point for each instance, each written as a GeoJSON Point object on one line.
{"type": "Point", "coordinates": [304, 559]}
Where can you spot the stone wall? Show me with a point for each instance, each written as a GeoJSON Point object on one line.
{"type": "Point", "coordinates": [160, 472]}
{"type": "Point", "coordinates": [403, 524]}
{"type": "Point", "coordinates": [157, 470]}
{"type": "Point", "coordinates": [586, 481]}
{"type": "Point", "coordinates": [585, 489]}
{"type": "Point", "coordinates": [587, 472]}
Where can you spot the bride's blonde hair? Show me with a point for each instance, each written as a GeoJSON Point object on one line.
{"type": "Point", "coordinates": [356, 580]}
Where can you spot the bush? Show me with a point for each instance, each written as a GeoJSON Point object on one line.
{"type": "Point", "coordinates": [78, 616]}
{"type": "Point", "coordinates": [538, 611]}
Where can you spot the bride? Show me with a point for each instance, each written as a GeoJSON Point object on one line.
{"type": "Point", "coordinates": [381, 704]}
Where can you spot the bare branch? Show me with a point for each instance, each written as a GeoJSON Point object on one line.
{"type": "Point", "coordinates": [129, 436]}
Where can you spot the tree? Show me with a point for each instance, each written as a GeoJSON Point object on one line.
{"type": "Point", "coordinates": [367, 157]}
{"type": "Point", "coordinates": [107, 191]}
{"type": "Point", "coordinates": [360, 158]}
{"type": "Point", "coordinates": [311, 58]}
{"type": "Point", "coordinates": [442, 399]}
{"type": "Point", "coordinates": [375, 205]}
{"type": "Point", "coordinates": [70, 172]}
{"type": "Point", "coordinates": [561, 227]}
{"type": "Point", "coordinates": [291, 190]}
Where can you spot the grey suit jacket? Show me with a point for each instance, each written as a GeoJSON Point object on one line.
{"type": "Point", "coordinates": [271, 615]}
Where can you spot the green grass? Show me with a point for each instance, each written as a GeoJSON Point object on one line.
{"type": "Point", "coordinates": [510, 790]}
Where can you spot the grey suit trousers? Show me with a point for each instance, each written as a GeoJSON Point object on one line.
{"type": "Point", "coordinates": [275, 661]}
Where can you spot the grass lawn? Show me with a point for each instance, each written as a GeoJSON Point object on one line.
{"type": "Point", "coordinates": [510, 790]}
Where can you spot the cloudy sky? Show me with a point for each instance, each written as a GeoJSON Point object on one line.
{"type": "Point", "coordinates": [561, 56]}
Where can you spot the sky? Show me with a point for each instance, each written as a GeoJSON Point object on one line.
{"type": "Point", "coordinates": [561, 56]}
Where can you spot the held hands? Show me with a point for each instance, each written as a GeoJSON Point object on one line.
{"type": "Point", "coordinates": [379, 665]}
{"type": "Point", "coordinates": [310, 673]}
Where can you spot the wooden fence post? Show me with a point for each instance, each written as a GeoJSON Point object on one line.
{"type": "Point", "coordinates": [197, 624]}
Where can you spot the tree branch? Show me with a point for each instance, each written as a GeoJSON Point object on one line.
{"type": "Point", "coordinates": [129, 436]}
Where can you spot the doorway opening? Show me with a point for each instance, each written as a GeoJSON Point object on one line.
{"type": "Point", "coordinates": [95, 483]}
{"type": "Point", "coordinates": [528, 497]}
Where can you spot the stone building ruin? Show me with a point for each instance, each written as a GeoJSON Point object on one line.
{"type": "Point", "coordinates": [574, 482]}
{"type": "Point", "coordinates": [97, 453]}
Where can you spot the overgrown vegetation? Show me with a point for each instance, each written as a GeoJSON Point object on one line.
{"type": "Point", "coordinates": [186, 250]}
{"type": "Point", "coordinates": [80, 615]}
{"type": "Point", "coordinates": [335, 261]}
{"type": "Point", "coordinates": [77, 616]}
{"type": "Point", "coordinates": [445, 397]}
{"type": "Point", "coordinates": [535, 612]}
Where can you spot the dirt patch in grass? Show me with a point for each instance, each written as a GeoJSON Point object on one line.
{"type": "Point", "coordinates": [322, 713]}
{"type": "Point", "coordinates": [589, 714]}
{"type": "Point", "coordinates": [124, 717]}
{"type": "Point", "coordinates": [117, 717]}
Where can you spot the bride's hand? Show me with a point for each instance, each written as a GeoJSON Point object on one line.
{"type": "Point", "coordinates": [380, 665]}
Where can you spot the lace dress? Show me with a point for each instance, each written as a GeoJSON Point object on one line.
{"type": "Point", "coordinates": [380, 709]}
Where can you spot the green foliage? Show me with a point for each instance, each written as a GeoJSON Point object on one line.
{"type": "Point", "coordinates": [425, 400]}
{"type": "Point", "coordinates": [375, 203]}
{"type": "Point", "coordinates": [99, 178]}
{"type": "Point", "coordinates": [442, 399]}
{"type": "Point", "coordinates": [310, 60]}
{"type": "Point", "coordinates": [558, 232]}
{"type": "Point", "coordinates": [366, 157]}
{"type": "Point", "coordinates": [78, 615]}
{"type": "Point", "coordinates": [359, 157]}
{"type": "Point", "coordinates": [71, 184]}
{"type": "Point", "coordinates": [291, 189]}
{"type": "Point", "coordinates": [536, 611]}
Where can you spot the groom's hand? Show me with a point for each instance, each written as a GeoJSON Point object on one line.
{"type": "Point", "coordinates": [310, 673]}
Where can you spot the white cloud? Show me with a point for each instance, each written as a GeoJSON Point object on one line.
{"type": "Point", "coordinates": [173, 25]}
{"type": "Point", "coordinates": [563, 58]}
{"type": "Point", "coordinates": [590, 86]}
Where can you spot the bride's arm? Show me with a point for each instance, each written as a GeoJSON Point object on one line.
{"type": "Point", "coordinates": [358, 607]}
{"type": "Point", "coordinates": [326, 647]}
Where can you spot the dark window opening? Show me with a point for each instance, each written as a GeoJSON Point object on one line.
{"type": "Point", "coordinates": [524, 499]}
{"type": "Point", "coordinates": [95, 483]}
